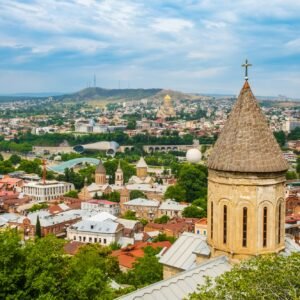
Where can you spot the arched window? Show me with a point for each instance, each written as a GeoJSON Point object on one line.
{"type": "Point", "coordinates": [225, 224]}
{"type": "Point", "coordinates": [279, 224]}
{"type": "Point", "coordinates": [212, 220]}
{"type": "Point", "coordinates": [265, 226]}
{"type": "Point", "coordinates": [245, 218]}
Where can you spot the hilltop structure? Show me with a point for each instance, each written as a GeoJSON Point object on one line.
{"type": "Point", "coordinates": [166, 110]}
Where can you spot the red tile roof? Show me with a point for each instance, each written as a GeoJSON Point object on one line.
{"type": "Point", "coordinates": [128, 256]}
{"type": "Point", "coordinates": [72, 247]}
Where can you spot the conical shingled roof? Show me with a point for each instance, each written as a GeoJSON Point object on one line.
{"type": "Point", "coordinates": [100, 168]}
{"type": "Point", "coordinates": [246, 144]}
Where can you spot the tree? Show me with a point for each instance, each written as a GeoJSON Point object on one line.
{"type": "Point", "coordinates": [176, 192]}
{"type": "Point", "coordinates": [163, 237]}
{"type": "Point", "coordinates": [294, 134]}
{"type": "Point", "coordinates": [38, 229]}
{"type": "Point", "coordinates": [72, 194]}
{"type": "Point", "coordinates": [193, 178]}
{"type": "Point", "coordinates": [89, 273]}
{"type": "Point", "coordinates": [280, 137]}
{"type": "Point", "coordinates": [137, 194]}
{"type": "Point", "coordinates": [298, 165]}
{"type": "Point", "coordinates": [193, 211]}
{"type": "Point", "coordinates": [129, 215]}
{"type": "Point", "coordinates": [201, 202]}
{"type": "Point", "coordinates": [12, 264]}
{"type": "Point", "coordinates": [291, 175]}
{"type": "Point", "coordinates": [113, 196]}
{"type": "Point", "coordinates": [15, 159]}
{"type": "Point", "coordinates": [1, 157]}
{"type": "Point", "coordinates": [147, 269]}
{"type": "Point", "coordinates": [31, 166]}
{"type": "Point", "coordinates": [38, 206]}
{"type": "Point", "coordinates": [45, 267]}
{"type": "Point", "coordinates": [162, 220]}
{"type": "Point", "coordinates": [131, 124]}
{"type": "Point", "coordinates": [264, 277]}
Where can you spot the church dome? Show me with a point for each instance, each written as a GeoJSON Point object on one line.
{"type": "Point", "coordinates": [246, 144]}
{"type": "Point", "coordinates": [100, 168]}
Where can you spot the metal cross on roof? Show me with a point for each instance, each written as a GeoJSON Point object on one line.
{"type": "Point", "coordinates": [246, 65]}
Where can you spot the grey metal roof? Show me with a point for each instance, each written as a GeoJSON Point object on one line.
{"type": "Point", "coordinates": [182, 254]}
{"type": "Point", "coordinates": [172, 205]}
{"type": "Point", "coordinates": [143, 202]}
{"type": "Point", "coordinates": [180, 286]}
{"type": "Point", "coordinates": [106, 226]}
{"type": "Point", "coordinates": [290, 246]}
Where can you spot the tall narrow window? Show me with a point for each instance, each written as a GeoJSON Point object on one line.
{"type": "Point", "coordinates": [245, 216]}
{"type": "Point", "coordinates": [225, 224]}
{"type": "Point", "coordinates": [265, 220]}
{"type": "Point", "coordinates": [211, 220]}
{"type": "Point", "coordinates": [279, 224]}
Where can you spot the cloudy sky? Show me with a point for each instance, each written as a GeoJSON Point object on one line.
{"type": "Point", "coordinates": [187, 45]}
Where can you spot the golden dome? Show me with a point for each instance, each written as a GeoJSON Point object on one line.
{"type": "Point", "coordinates": [167, 98]}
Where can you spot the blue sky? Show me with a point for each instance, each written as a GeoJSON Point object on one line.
{"type": "Point", "coordinates": [187, 45]}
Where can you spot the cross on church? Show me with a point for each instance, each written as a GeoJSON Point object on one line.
{"type": "Point", "coordinates": [246, 65]}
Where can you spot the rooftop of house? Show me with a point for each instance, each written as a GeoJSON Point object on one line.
{"type": "Point", "coordinates": [182, 254]}
{"type": "Point", "coordinates": [128, 256]}
{"type": "Point", "coordinates": [105, 202]}
{"type": "Point", "coordinates": [72, 247]}
{"type": "Point", "coordinates": [107, 226]}
{"type": "Point", "coordinates": [143, 202]}
{"type": "Point", "coordinates": [181, 285]}
{"type": "Point", "coordinates": [172, 205]}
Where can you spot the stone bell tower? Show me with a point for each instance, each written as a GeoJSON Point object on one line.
{"type": "Point", "coordinates": [119, 176]}
{"type": "Point", "coordinates": [246, 177]}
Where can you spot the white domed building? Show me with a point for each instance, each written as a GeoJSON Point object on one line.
{"type": "Point", "coordinates": [193, 156]}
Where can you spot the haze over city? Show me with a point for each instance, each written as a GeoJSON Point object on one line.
{"type": "Point", "coordinates": [191, 46]}
{"type": "Point", "coordinates": [149, 149]}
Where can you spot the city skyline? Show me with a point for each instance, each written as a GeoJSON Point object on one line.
{"type": "Point", "coordinates": [191, 46]}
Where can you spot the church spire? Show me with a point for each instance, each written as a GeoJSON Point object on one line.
{"type": "Point", "coordinates": [246, 143]}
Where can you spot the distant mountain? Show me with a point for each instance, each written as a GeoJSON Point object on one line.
{"type": "Point", "coordinates": [96, 93]}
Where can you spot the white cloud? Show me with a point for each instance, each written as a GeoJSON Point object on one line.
{"type": "Point", "coordinates": [171, 25]}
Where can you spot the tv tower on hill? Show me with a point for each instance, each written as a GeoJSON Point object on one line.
{"type": "Point", "coordinates": [95, 80]}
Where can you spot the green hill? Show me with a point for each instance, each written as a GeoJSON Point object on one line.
{"type": "Point", "coordinates": [96, 93]}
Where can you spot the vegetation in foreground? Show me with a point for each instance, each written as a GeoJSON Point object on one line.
{"type": "Point", "coordinates": [40, 269]}
{"type": "Point", "coordinates": [264, 277]}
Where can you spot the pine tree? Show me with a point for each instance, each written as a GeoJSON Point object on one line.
{"type": "Point", "coordinates": [38, 229]}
